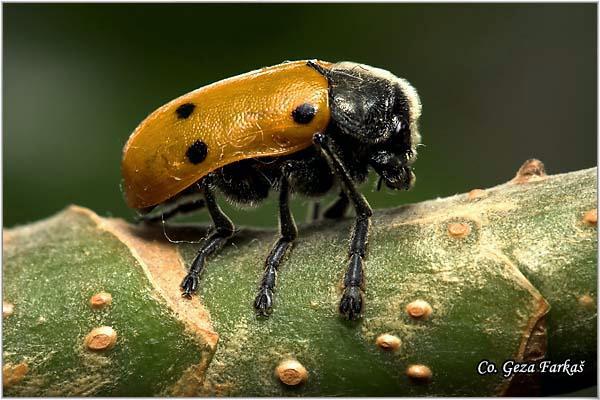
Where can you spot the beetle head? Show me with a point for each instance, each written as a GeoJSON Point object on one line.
{"type": "Point", "coordinates": [372, 105]}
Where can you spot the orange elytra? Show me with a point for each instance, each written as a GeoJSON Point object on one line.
{"type": "Point", "coordinates": [239, 118]}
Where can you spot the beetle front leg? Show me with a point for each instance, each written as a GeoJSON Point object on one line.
{"type": "Point", "coordinates": [351, 304]}
{"type": "Point", "coordinates": [223, 230]}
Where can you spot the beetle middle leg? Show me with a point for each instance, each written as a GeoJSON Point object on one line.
{"type": "Point", "coordinates": [351, 303]}
{"type": "Point", "coordinates": [223, 230]}
{"type": "Point", "coordinates": [288, 233]}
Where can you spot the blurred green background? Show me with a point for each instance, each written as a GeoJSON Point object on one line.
{"type": "Point", "coordinates": [499, 83]}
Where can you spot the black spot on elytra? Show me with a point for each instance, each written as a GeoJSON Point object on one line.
{"type": "Point", "coordinates": [304, 113]}
{"type": "Point", "coordinates": [185, 110]}
{"type": "Point", "coordinates": [197, 152]}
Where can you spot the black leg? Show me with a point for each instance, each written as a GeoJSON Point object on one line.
{"type": "Point", "coordinates": [223, 230]}
{"type": "Point", "coordinates": [352, 300]}
{"type": "Point", "coordinates": [288, 233]}
{"type": "Point", "coordinates": [338, 208]}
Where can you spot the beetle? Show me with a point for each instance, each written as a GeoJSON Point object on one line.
{"type": "Point", "coordinates": [307, 127]}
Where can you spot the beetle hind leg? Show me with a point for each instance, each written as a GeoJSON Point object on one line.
{"type": "Point", "coordinates": [223, 230]}
{"type": "Point", "coordinates": [288, 233]}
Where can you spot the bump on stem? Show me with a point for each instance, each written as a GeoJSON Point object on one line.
{"type": "Point", "coordinates": [419, 373]}
{"type": "Point", "coordinates": [13, 374]}
{"type": "Point", "coordinates": [419, 309]}
{"type": "Point", "coordinates": [459, 229]}
{"type": "Point", "coordinates": [101, 300]}
{"type": "Point", "coordinates": [7, 309]}
{"type": "Point", "coordinates": [586, 301]}
{"type": "Point", "coordinates": [476, 194]}
{"type": "Point", "coordinates": [101, 338]}
{"type": "Point", "coordinates": [388, 342]}
{"type": "Point", "coordinates": [291, 372]}
{"type": "Point", "coordinates": [591, 217]}
{"type": "Point", "coordinates": [532, 170]}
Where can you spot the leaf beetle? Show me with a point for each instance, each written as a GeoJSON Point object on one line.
{"type": "Point", "coordinates": [307, 127]}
